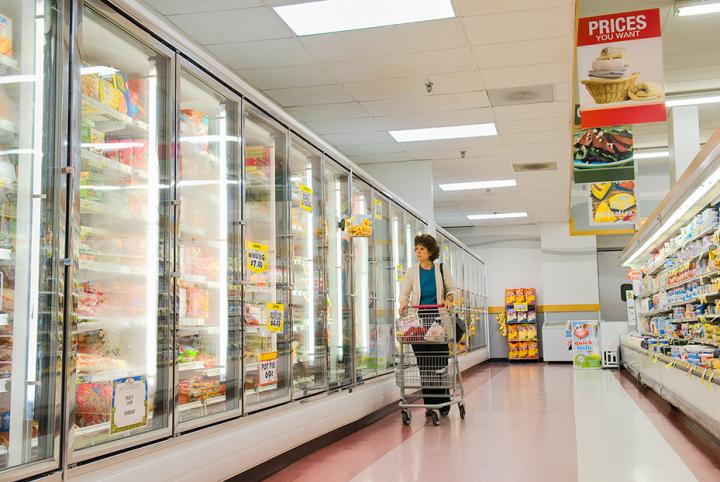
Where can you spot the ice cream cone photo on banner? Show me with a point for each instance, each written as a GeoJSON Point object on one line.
{"type": "Point", "coordinates": [620, 69]}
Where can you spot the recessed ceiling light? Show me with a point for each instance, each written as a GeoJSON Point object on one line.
{"type": "Point", "coordinates": [708, 99]}
{"type": "Point", "coordinates": [651, 154]}
{"type": "Point", "coordinates": [482, 217]}
{"type": "Point", "coordinates": [462, 186]}
{"type": "Point", "coordinates": [339, 15]}
{"type": "Point", "coordinates": [451, 132]}
{"type": "Point", "coordinates": [697, 9]}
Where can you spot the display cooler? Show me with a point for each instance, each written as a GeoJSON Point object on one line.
{"type": "Point", "coordinates": [175, 251]}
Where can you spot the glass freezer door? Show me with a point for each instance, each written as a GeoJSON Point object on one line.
{"type": "Point", "coordinates": [266, 310]}
{"type": "Point", "coordinates": [339, 316]}
{"type": "Point", "coordinates": [362, 288]}
{"type": "Point", "coordinates": [121, 331]}
{"type": "Point", "coordinates": [30, 238]}
{"type": "Point", "coordinates": [383, 302]}
{"type": "Point", "coordinates": [207, 188]}
{"type": "Point", "coordinates": [307, 271]}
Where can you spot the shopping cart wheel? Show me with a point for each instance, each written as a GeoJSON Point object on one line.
{"type": "Point", "coordinates": [462, 410]}
{"type": "Point", "coordinates": [406, 416]}
{"type": "Point", "coordinates": [436, 417]}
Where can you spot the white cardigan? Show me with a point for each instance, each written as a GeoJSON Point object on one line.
{"type": "Point", "coordinates": [410, 288]}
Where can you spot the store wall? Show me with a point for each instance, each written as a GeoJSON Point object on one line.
{"type": "Point", "coordinates": [610, 277]}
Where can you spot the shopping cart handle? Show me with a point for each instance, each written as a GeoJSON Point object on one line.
{"type": "Point", "coordinates": [422, 307]}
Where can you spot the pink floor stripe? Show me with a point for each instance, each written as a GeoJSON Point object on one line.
{"type": "Point", "coordinates": [348, 457]}
{"type": "Point", "coordinates": [701, 457]}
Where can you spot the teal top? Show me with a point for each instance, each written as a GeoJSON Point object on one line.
{"type": "Point", "coordinates": [428, 288]}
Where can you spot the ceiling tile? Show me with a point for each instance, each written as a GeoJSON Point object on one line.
{"type": "Point", "coordinates": [170, 7]}
{"type": "Point", "coordinates": [344, 126]}
{"type": "Point", "coordinates": [427, 103]}
{"type": "Point", "coordinates": [384, 148]}
{"type": "Point", "coordinates": [485, 7]}
{"type": "Point", "coordinates": [238, 25]}
{"type": "Point", "coordinates": [381, 158]}
{"type": "Point", "coordinates": [533, 125]}
{"type": "Point", "coordinates": [397, 39]}
{"type": "Point", "coordinates": [547, 152]}
{"type": "Point", "coordinates": [465, 144]}
{"type": "Point", "coordinates": [347, 110]}
{"type": "Point", "coordinates": [299, 96]}
{"type": "Point", "coordinates": [358, 138]}
{"type": "Point", "coordinates": [435, 119]}
{"type": "Point", "coordinates": [499, 55]}
{"type": "Point", "coordinates": [526, 25]}
{"type": "Point", "coordinates": [527, 138]}
{"type": "Point", "coordinates": [406, 65]}
{"type": "Point", "coordinates": [264, 53]}
{"type": "Point", "coordinates": [415, 86]}
{"type": "Point", "coordinates": [527, 75]}
{"type": "Point", "coordinates": [284, 77]}
{"type": "Point", "coordinates": [532, 111]}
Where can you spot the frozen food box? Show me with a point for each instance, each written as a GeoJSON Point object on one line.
{"type": "Point", "coordinates": [6, 36]}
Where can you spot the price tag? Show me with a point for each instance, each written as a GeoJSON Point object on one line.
{"type": "Point", "coordinates": [275, 317]}
{"type": "Point", "coordinates": [257, 257]}
{"type": "Point", "coordinates": [268, 368]}
{"type": "Point", "coordinates": [377, 208]}
{"type": "Point", "coordinates": [521, 307]}
{"type": "Point", "coordinates": [129, 404]}
{"type": "Point", "coordinates": [306, 196]}
{"type": "Point", "coordinates": [400, 269]}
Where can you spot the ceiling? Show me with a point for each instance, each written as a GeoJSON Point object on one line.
{"type": "Point", "coordinates": [352, 87]}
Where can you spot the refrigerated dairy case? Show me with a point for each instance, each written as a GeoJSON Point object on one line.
{"type": "Point", "coordinates": [171, 254]}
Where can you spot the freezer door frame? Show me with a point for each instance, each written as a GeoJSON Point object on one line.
{"type": "Point", "coordinates": [184, 64]}
{"type": "Point", "coordinates": [107, 12]}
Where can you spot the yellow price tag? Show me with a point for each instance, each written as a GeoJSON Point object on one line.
{"type": "Point", "coordinates": [257, 254]}
{"type": "Point", "coordinates": [306, 198]}
{"type": "Point", "coordinates": [275, 317]}
{"type": "Point", "coordinates": [377, 208]}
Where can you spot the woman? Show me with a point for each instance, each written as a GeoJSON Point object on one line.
{"type": "Point", "coordinates": [427, 284]}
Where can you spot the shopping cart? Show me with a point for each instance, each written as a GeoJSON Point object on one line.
{"type": "Point", "coordinates": [428, 361]}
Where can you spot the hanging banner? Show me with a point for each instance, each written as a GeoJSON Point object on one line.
{"type": "Point", "coordinates": [613, 203]}
{"type": "Point", "coordinates": [620, 69]}
{"type": "Point", "coordinates": [268, 368]}
{"type": "Point", "coordinates": [586, 344]}
{"type": "Point", "coordinates": [129, 404]}
{"type": "Point", "coordinates": [377, 209]}
{"type": "Point", "coordinates": [257, 254]}
{"type": "Point", "coordinates": [603, 154]}
{"type": "Point", "coordinates": [306, 196]}
{"type": "Point", "coordinates": [275, 317]}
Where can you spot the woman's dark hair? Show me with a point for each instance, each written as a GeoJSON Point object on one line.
{"type": "Point", "coordinates": [429, 243]}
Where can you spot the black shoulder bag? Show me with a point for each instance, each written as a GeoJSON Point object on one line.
{"type": "Point", "coordinates": [460, 326]}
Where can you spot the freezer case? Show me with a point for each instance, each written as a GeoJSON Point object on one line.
{"type": "Point", "coordinates": [206, 288]}
{"type": "Point", "coordinates": [32, 214]}
{"type": "Point", "coordinates": [121, 389]}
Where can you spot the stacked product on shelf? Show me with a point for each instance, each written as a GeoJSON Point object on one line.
{"type": "Point", "coordinates": [521, 320]}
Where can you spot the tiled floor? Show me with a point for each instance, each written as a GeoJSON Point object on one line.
{"type": "Point", "coordinates": [525, 423]}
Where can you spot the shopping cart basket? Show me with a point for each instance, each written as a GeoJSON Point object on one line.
{"type": "Point", "coordinates": [428, 361]}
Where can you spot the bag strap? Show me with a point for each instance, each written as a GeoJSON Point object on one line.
{"type": "Point", "coordinates": [442, 277]}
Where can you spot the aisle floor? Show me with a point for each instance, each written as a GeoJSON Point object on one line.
{"type": "Point", "coordinates": [526, 423]}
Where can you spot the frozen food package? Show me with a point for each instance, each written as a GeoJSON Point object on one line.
{"type": "Point", "coordinates": [436, 333]}
{"type": "Point", "coordinates": [6, 36]}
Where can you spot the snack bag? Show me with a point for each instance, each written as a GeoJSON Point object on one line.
{"type": "Point", "coordinates": [530, 296]}
{"type": "Point", "coordinates": [533, 349]}
{"type": "Point", "coordinates": [531, 316]}
{"type": "Point", "coordinates": [522, 350]}
{"type": "Point", "coordinates": [522, 332]}
{"type": "Point", "coordinates": [509, 296]}
{"type": "Point", "coordinates": [513, 333]}
{"type": "Point", "coordinates": [511, 316]}
{"type": "Point", "coordinates": [520, 295]}
{"type": "Point", "coordinates": [522, 316]}
{"type": "Point", "coordinates": [531, 332]}
{"type": "Point", "coordinates": [513, 351]}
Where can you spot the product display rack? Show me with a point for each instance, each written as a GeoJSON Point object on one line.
{"type": "Point", "coordinates": [521, 320]}
{"type": "Point", "coordinates": [129, 214]}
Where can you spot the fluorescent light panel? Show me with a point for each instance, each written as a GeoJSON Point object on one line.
{"type": "Point", "coordinates": [698, 9]}
{"type": "Point", "coordinates": [340, 15]}
{"type": "Point", "coordinates": [463, 186]}
{"type": "Point", "coordinates": [483, 217]}
{"type": "Point", "coordinates": [451, 132]}
{"type": "Point", "coordinates": [708, 99]}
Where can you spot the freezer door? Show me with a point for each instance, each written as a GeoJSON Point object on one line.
{"type": "Point", "coordinates": [266, 244]}
{"type": "Point", "coordinates": [120, 392]}
{"type": "Point", "coordinates": [339, 315]}
{"type": "Point", "coordinates": [31, 238]}
{"type": "Point", "coordinates": [206, 318]}
{"type": "Point", "coordinates": [383, 303]}
{"type": "Point", "coordinates": [308, 241]}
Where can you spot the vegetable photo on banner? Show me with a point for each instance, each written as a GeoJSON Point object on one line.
{"type": "Point", "coordinates": [603, 154]}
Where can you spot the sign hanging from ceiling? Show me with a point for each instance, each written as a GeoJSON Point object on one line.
{"type": "Point", "coordinates": [603, 154]}
{"type": "Point", "coordinates": [613, 203]}
{"type": "Point", "coordinates": [620, 69]}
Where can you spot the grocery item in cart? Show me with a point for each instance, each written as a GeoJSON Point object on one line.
{"type": "Point", "coordinates": [436, 333]}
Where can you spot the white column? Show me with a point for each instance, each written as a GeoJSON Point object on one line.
{"type": "Point", "coordinates": [683, 139]}
{"type": "Point", "coordinates": [411, 181]}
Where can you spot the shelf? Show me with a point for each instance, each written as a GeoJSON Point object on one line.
{"type": "Point", "coordinates": [657, 268]}
{"type": "Point", "coordinates": [198, 280]}
{"type": "Point", "coordinates": [98, 161]}
{"type": "Point", "coordinates": [201, 403]}
{"type": "Point", "coordinates": [694, 278]}
{"type": "Point", "coordinates": [9, 63]}
{"type": "Point", "coordinates": [530, 340]}
{"type": "Point", "coordinates": [88, 206]}
{"type": "Point", "coordinates": [92, 429]}
{"type": "Point", "coordinates": [95, 323]}
{"type": "Point", "coordinates": [109, 268]}
{"type": "Point", "coordinates": [107, 376]}
{"type": "Point", "coordinates": [694, 299]}
{"type": "Point", "coordinates": [107, 119]}
{"type": "Point", "coordinates": [706, 341]}
{"type": "Point", "coordinates": [8, 131]}
{"type": "Point", "coordinates": [257, 390]}
{"type": "Point", "coordinates": [192, 322]}
{"type": "Point", "coordinates": [656, 312]}
{"type": "Point", "coordinates": [689, 260]}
